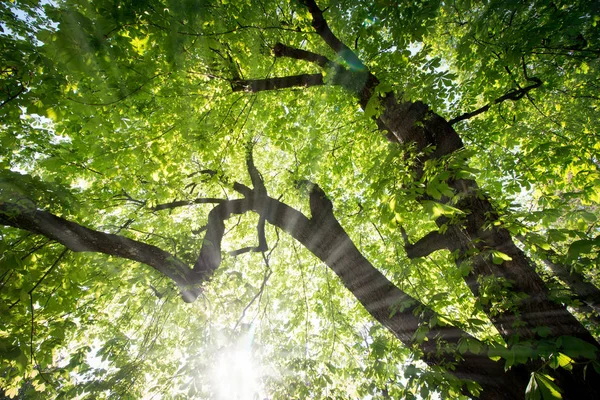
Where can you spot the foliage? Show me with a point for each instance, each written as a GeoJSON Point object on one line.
{"type": "Point", "coordinates": [110, 108]}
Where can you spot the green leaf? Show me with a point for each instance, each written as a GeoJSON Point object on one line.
{"type": "Point", "coordinates": [565, 361]}
{"type": "Point", "coordinates": [475, 346]}
{"type": "Point", "coordinates": [575, 347]}
{"type": "Point", "coordinates": [533, 392]}
{"type": "Point", "coordinates": [579, 247]}
{"type": "Point", "coordinates": [463, 346]}
{"type": "Point", "coordinates": [498, 257]}
{"type": "Point", "coordinates": [436, 209]}
{"type": "Point", "coordinates": [548, 388]}
{"type": "Point", "coordinates": [542, 387]}
{"type": "Point", "coordinates": [373, 108]}
{"type": "Point", "coordinates": [588, 216]}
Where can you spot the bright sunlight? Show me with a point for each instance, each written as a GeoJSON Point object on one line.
{"type": "Point", "coordinates": [236, 374]}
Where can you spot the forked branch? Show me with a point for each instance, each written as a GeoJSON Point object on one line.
{"type": "Point", "coordinates": [321, 27]}
{"type": "Point", "coordinates": [322, 235]}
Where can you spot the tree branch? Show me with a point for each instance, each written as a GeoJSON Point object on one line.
{"type": "Point", "coordinates": [321, 27]}
{"type": "Point", "coordinates": [513, 95]}
{"type": "Point", "coordinates": [361, 83]}
{"type": "Point", "coordinates": [78, 238]}
{"type": "Point", "coordinates": [584, 290]}
{"type": "Point", "coordinates": [180, 203]}
{"type": "Point", "coordinates": [255, 176]}
{"type": "Point", "coordinates": [210, 254]}
{"type": "Point", "coordinates": [576, 281]}
{"type": "Point", "coordinates": [403, 315]}
{"type": "Point", "coordinates": [429, 243]}
{"type": "Point", "coordinates": [282, 50]}
{"type": "Point", "coordinates": [260, 85]}
{"type": "Point", "coordinates": [393, 308]}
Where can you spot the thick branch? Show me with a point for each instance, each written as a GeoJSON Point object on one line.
{"type": "Point", "coordinates": [81, 239]}
{"type": "Point", "coordinates": [584, 290]}
{"type": "Point", "coordinates": [260, 85]}
{"type": "Point", "coordinates": [282, 50]}
{"type": "Point", "coordinates": [321, 27]}
{"type": "Point", "coordinates": [255, 176]}
{"type": "Point", "coordinates": [393, 308]}
{"type": "Point", "coordinates": [210, 254]}
{"type": "Point", "coordinates": [399, 312]}
{"type": "Point", "coordinates": [513, 95]}
{"type": "Point", "coordinates": [429, 243]}
{"type": "Point", "coordinates": [360, 83]}
{"type": "Point", "coordinates": [258, 192]}
{"type": "Point", "coordinates": [180, 203]}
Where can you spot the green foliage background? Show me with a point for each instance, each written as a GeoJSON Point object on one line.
{"type": "Point", "coordinates": [111, 107]}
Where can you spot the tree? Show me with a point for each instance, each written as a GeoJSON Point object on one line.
{"type": "Point", "coordinates": [132, 130]}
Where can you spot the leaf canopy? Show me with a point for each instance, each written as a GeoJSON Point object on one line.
{"type": "Point", "coordinates": [111, 108]}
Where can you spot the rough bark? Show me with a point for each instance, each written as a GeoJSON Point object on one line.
{"type": "Point", "coordinates": [258, 85]}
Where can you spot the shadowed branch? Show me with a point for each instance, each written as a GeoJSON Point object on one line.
{"type": "Point", "coordinates": [260, 85]}
{"type": "Point", "coordinates": [321, 27]}
{"type": "Point", "coordinates": [513, 95]}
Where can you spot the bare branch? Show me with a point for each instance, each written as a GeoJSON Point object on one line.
{"type": "Point", "coordinates": [260, 85]}
{"type": "Point", "coordinates": [78, 238]}
{"type": "Point", "coordinates": [321, 27]}
{"type": "Point", "coordinates": [180, 203]}
{"type": "Point", "coordinates": [513, 95]}
{"type": "Point", "coordinates": [282, 50]}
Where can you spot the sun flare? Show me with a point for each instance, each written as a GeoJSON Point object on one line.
{"type": "Point", "coordinates": [236, 375]}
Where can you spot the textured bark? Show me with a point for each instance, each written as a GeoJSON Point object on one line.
{"type": "Point", "coordinates": [585, 291]}
{"type": "Point", "coordinates": [259, 85]}
{"type": "Point", "coordinates": [478, 232]}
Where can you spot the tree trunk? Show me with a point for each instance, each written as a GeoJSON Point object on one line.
{"type": "Point", "coordinates": [476, 238]}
